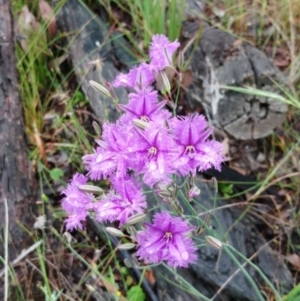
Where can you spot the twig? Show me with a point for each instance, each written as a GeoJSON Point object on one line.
{"type": "Point", "coordinates": [21, 256]}
{"type": "Point", "coordinates": [53, 285]}
{"type": "Point", "coordinates": [238, 270]}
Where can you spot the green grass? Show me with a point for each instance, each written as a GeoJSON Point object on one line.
{"type": "Point", "coordinates": [148, 18]}
{"type": "Point", "coordinates": [55, 126]}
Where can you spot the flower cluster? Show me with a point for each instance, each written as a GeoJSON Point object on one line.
{"type": "Point", "coordinates": [166, 239]}
{"type": "Point", "coordinates": [146, 143]}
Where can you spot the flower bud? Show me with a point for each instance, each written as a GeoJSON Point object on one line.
{"type": "Point", "coordinates": [164, 191]}
{"type": "Point", "coordinates": [167, 192]}
{"type": "Point", "coordinates": [199, 231]}
{"type": "Point", "coordinates": [99, 88]}
{"type": "Point", "coordinates": [212, 241]}
{"type": "Point", "coordinates": [132, 232]}
{"type": "Point", "coordinates": [164, 194]}
{"type": "Point", "coordinates": [141, 124]}
{"type": "Point", "coordinates": [112, 92]}
{"type": "Point", "coordinates": [194, 191]}
{"type": "Point", "coordinates": [206, 219]}
{"type": "Point", "coordinates": [115, 232]}
{"type": "Point", "coordinates": [90, 189]}
{"type": "Point", "coordinates": [176, 207]}
{"type": "Point", "coordinates": [97, 128]}
{"type": "Point", "coordinates": [180, 60]}
{"type": "Point", "coordinates": [127, 246]}
{"type": "Point", "coordinates": [135, 219]}
{"type": "Point", "coordinates": [130, 263]}
{"type": "Point", "coordinates": [196, 209]}
{"type": "Point", "coordinates": [214, 184]}
{"type": "Point", "coordinates": [163, 82]}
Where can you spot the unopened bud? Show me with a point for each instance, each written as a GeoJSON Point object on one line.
{"type": "Point", "coordinates": [90, 189]}
{"type": "Point", "coordinates": [90, 288]}
{"type": "Point", "coordinates": [212, 241]}
{"type": "Point", "coordinates": [199, 231]}
{"type": "Point", "coordinates": [97, 128]}
{"type": "Point", "coordinates": [112, 92]}
{"type": "Point", "coordinates": [164, 194]}
{"type": "Point", "coordinates": [162, 186]}
{"type": "Point", "coordinates": [135, 219]}
{"type": "Point", "coordinates": [206, 219]}
{"type": "Point", "coordinates": [180, 60]}
{"type": "Point", "coordinates": [127, 246]}
{"type": "Point", "coordinates": [130, 263]}
{"type": "Point", "coordinates": [194, 191]}
{"type": "Point", "coordinates": [167, 200]}
{"type": "Point", "coordinates": [132, 232]}
{"type": "Point", "coordinates": [99, 88]}
{"type": "Point", "coordinates": [163, 82]}
{"type": "Point", "coordinates": [176, 207]}
{"type": "Point", "coordinates": [115, 232]}
{"type": "Point", "coordinates": [164, 191]}
{"type": "Point", "coordinates": [214, 184]}
{"type": "Point", "coordinates": [179, 209]}
{"type": "Point", "coordinates": [141, 124]}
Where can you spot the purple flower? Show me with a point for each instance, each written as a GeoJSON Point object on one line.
{"type": "Point", "coordinates": [76, 202]}
{"type": "Point", "coordinates": [75, 221]}
{"type": "Point", "coordinates": [161, 52]}
{"type": "Point", "coordinates": [166, 239]}
{"type": "Point", "coordinates": [154, 152]}
{"type": "Point", "coordinates": [111, 156]}
{"type": "Point", "coordinates": [138, 78]}
{"type": "Point", "coordinates": [195, 152]}
{"type": "Point", "coordinates": [120, 205]}
{"type": "Point", "coordinates": [144, 105]}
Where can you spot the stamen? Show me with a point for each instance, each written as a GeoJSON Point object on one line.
{"type": "Point", "coordinates": [189, 149]}
{"type": "Point", "coordinates": [145, 118]}
{"type": "Point", "coordinates": [168, 236]}
{"type": "Point", "coordinates": [152, 151]}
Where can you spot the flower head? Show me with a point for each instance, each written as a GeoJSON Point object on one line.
{"type": "Point", "coordinates": [111, 157]}
{"type": "Point", "coordinates": [76, 202]}
{"type": "Point", "coordinates": [161, 52]}
{"type": "Point", "coordinates": [195, 151]}
{"type": "Point", "coordinates": [138, 78]}
{"type": "Point", "coordinates": [119, 205]}
{"type": "Point", "coordinates": [144, 105]}
{"type": "Point", "coordinates": [166, 239]}
{"type": "Point", "coordinates": [153, 149]}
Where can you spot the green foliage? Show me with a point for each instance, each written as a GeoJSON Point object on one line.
{"type": "Point", "coordinates": [226, 189]}
{"type": "Point", "coordinates": [56, 174]}
{"type": "Point", "coordinates": [293, 295]}
{"type": "Point", "coordinates": [52, 122]}
{"type": "Point", "coordinates": [135, 293]}
{"type": "Point", "coordinates": [50, 296]}
{"type": "Point", "coordinates": [150, 17]}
